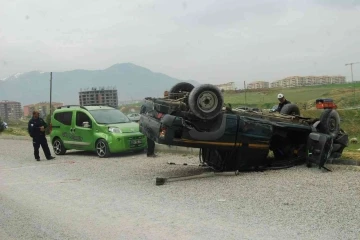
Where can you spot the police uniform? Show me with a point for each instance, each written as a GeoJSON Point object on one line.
{"type": "Point", "coordinates": [39, 137]}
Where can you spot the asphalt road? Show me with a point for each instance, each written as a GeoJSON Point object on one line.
{"type": "Point", "coordinates": [80, 196]}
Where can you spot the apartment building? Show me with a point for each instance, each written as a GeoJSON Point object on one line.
{"type": "Point", "coordinates": [10, 110]}
{"type": "Point", "coordinates": [258, 85]}
{"type": "Point", "coordinates": [296, 81]}
{"type": "Point", "coordinates": [230, 86]}
{"type": "Point", "coordinates": [101, 96]}
{"type": "Point", "coordinates": [42, 107]}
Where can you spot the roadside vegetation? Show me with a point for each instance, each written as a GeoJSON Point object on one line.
{"type": "Point", "coordinates": [304, 97]}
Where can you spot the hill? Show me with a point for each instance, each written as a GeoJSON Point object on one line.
{"type": "Point", "coordinates": [131, 81]}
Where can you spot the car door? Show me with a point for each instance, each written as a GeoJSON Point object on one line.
{"type": "Point", "coordinates": [62, 127]}
{"type": "Point", "coordinates": [82, 131]}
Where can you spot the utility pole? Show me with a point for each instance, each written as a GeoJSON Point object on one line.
{"type": "Point", "coordinates": [50, 91]}
{"type": "Point", "coordinates": [352, 77]}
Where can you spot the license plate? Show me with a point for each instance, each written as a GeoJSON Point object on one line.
{"type": "Point", "coordinates": [135, 143]}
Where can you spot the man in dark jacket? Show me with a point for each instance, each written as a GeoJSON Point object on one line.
{"type": "Point", "coordinates": [147, 109]}
{"type": "Point", "coordinates": [36, 129]}
{"type": "Point", "coordinates": [282, 101]}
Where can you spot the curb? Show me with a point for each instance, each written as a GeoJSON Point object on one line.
{"type": "Point", "coordinates": [193, 151]}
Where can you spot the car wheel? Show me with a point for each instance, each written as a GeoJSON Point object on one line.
{"type": "Point", "coordinates": [290, 109]}
{"type": "Point", "coordinates": [181, 87]}
{"type": "Point", "coordinates": [330, 122]}
{"type": "Point", "coordinates": [102, 148]}
{"type": "Point", "coordinates": [206, 101]}
{"type": "Point", "coordinates": [58, 147]}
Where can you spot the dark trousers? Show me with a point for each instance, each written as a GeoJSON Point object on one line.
{"type": "Point", "coordinates": [150, 146]}
{"type": "Point", "coordinates": [41, 141]}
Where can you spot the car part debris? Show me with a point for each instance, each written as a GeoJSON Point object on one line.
{"type": "Point", "coordinates": [162, 180]}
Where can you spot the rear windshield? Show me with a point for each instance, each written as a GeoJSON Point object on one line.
{"type": "Point", "coordinates": [109, 116]}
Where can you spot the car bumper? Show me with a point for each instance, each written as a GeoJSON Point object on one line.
{"type": "Point", "coordinates": [127, 142]}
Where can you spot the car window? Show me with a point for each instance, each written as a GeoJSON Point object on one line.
{"type": "Point", "coordinates": [64, 117]}
{"type": "Point", "coordinates": [109, 116]}
{"type": "Point", "coordinates": [81, 118]}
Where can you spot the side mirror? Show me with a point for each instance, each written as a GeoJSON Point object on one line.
{"type": "Point", "coordinates": [86, 125]}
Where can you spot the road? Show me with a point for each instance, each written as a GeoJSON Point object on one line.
{"type": "Point", "coordinates": [80, 196]}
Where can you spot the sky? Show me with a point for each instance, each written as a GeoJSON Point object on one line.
{"type": "Point", "coordinates": [210, 41]}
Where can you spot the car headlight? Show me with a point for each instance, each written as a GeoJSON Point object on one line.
{"type": "Point", "coordinates": [114, 130]}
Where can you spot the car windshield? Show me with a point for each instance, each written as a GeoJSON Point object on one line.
{"type": "Point", "coordinates": [109, 116]}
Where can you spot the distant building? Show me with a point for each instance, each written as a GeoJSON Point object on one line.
{"type": "Point", "coordinates": [258, 85]}
{"type": "Point", "coordinates": [99, 96]}
{"type": "Point", "coordinates": [227, 86]}
{"type": "Point", "coordinates": [10, 110]}
{"type": "Point", "coordinates": [297, 81]}
{"type": "Point", "coordinates": [42, 107]}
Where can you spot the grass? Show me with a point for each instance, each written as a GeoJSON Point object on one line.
{"type": "Point", "coordinates": [351, 155]}
{"type": "Point", "coordinates": [343, 95]}
{"type": "Point", "coordinates": [17, 128]}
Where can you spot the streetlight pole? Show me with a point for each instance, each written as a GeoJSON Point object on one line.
{"type": "Point", "coordinates": [352, 76]}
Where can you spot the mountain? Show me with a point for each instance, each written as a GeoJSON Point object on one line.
{"type": "Point", "coordinates": [132, 82]}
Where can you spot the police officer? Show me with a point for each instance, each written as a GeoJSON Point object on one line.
{"type": "Point", "coordinates": [36, 129]}
{"type": "Point", "coordinates": [282, 102]}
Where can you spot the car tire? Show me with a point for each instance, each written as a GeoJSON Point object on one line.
{"type": "Point", "coordinates": [206, 101]}
{"type": "Point", "coordinates": [58, 147]}
{"type": "Point", "coordinates": [290, 109]}
{"type": "Point", "coordinates": [182, 87]}
{"type": "Point", "coordinates": [102, 148]}
{"type": "Point", "coordinates": [330, 122]}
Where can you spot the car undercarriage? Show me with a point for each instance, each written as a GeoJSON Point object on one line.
{"type": "Point", "coordinates": [241, 139]}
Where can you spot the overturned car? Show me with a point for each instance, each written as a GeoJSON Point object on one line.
{"type": "Point", "coordinates": [240, 139]}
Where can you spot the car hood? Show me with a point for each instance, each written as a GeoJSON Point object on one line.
{"type": "Point", "coordinates": [130, 127]}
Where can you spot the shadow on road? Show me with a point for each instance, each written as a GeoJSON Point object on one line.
{"type": "Point", "coordinates": [113, 155]}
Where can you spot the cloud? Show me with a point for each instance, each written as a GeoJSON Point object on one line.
{"type": "Point", "coordinates": [205, 40]}
{"type": "Point", "coordinates": [338, 4]}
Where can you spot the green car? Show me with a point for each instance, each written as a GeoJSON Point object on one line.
{"type": "Point", "coordinates": [101, 129]}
